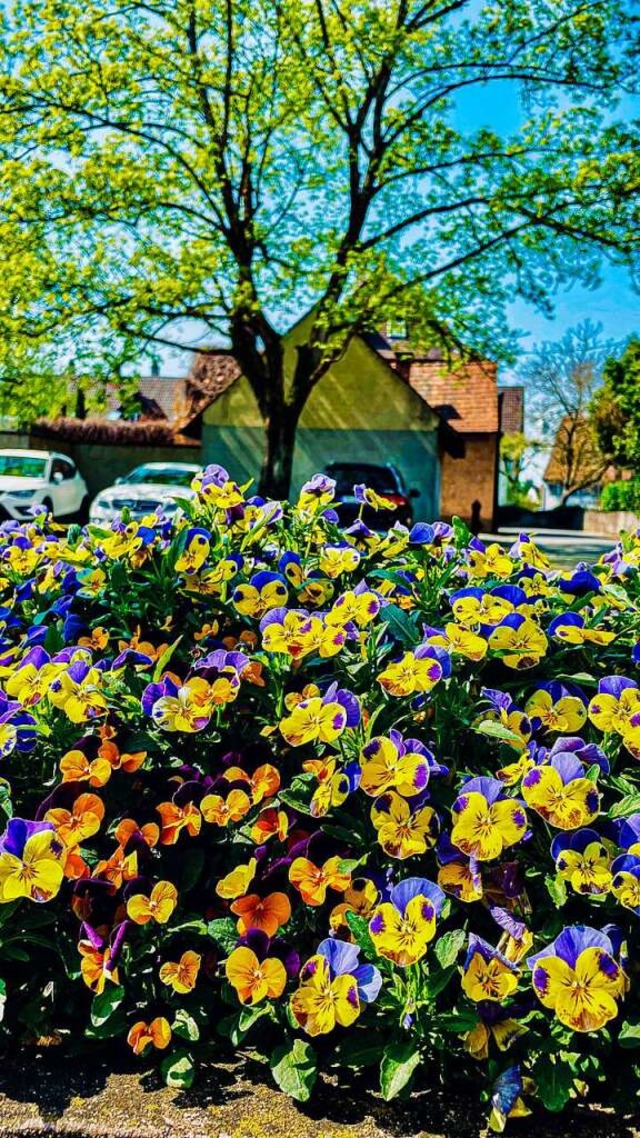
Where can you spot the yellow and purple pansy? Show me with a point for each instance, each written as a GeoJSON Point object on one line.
{"type": "Point", "coordinates": [334, 986]}
{"type": "Point", "coordinates": [557, 706]}
{"type": "Point", "coordinates": [559, 791]}
{"type": "Point", "coordinates": [486, 973]}
{"type": "Point", "coordinates": [30, 861]}
{"type": "Point", "coordinates": [322, 718]}
{"type": "Point", "coordinates": [578, 977]}
{"type": "Point", "coordinates": [395, 763]}
{"type": "Point", "coordinates": [519, 641]}
{"type": "Point", "coordinates": [584, 861]}
{"type": "Point", "coordinates": [402, 927]}
{"type": "Point", "coordinates": [485, 820]}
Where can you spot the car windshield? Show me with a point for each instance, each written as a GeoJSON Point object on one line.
{"type": "Point", "coordinates": [378, 478]}
{"type": "Point", "coordinates": [17, 466]}
{"type": "Point", "coordinates": [165, 475]}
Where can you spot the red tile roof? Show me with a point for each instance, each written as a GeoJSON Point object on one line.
{"type": "Point", "coordinates": [466, 398]}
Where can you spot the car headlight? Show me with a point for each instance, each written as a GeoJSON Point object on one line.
{"type": "Point", "coordinates": [100, 505]}
{"type": "Point", "coordinates": [23, 494]}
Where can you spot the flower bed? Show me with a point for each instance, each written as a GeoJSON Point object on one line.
{"type": "Point", "coordinates": [330, 798]}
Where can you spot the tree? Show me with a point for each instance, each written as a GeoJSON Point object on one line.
{"type": "Point", "coordinates": [180, 171]}
{"type": "Point", "coordinates": [616, 407]}
{"type": "Point", "coordinates": [516, 454]}
{"type": "Point", "coordinates": [561, 379]}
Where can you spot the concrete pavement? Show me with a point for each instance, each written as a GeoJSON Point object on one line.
{"type": "Point", "coordinates": [563, 547]}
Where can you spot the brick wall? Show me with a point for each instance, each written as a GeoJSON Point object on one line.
{"type": "Point", "coordinates": [473, 477]}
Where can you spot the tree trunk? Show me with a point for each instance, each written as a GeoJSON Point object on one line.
{"type": "Point", "coordinates": [277, 463]}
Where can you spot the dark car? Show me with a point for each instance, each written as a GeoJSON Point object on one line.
{"type": "Point", "coordinates": [385, 479]}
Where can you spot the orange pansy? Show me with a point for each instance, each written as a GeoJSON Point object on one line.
{"type": "Point", "coordinates": [265, 913]}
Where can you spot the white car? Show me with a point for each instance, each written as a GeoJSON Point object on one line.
{"type": "Point", "coordinates": [143, 490]}
{"type": "Point", "coordinates": [39, 478]}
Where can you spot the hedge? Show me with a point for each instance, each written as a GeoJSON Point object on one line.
{"type": "Point", "coordinates": [341, 800]}
{"type": "Point", "coordinates": [621, 495]}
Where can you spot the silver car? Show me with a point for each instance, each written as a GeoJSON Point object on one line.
{"type": "Point", "coordinates": [144, 490]}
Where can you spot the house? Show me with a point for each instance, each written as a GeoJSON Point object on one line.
{"type": "Point", "coordinates": [576, 470]}
{"type": "Point", "coordinates": [381, 402]}
{"type": "Point", "coordinates": [361, 410]}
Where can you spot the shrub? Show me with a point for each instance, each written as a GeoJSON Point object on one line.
{"type": "Point", "coordinates": [621, 495]}
{"type": "Point", "coordinates": [333, 798]}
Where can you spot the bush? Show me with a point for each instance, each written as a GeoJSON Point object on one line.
{"type": "Point", "coordinates": [621, 495]}
{"type": "Point", "coordinates": [335, 799]}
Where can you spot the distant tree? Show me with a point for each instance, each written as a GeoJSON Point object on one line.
{"type": "Point", "coordinates": [561, 379]}
{"type": "Point", "coordinates": [516, 454]}
{"type": "Point", "coordinates": [177, 170]}
{"type": "Point", "coordinates": [615, 407]}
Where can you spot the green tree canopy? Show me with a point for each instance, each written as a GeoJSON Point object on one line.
{"type": "Point", "coordinates": [616, 407]}
{"type": "Point", "coordinates": [181, 171]}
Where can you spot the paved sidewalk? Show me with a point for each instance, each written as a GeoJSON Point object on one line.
{"type": "Point", "coordinates": [41, 1093]}
{"type": "Point", "coordinates": [564, 547]}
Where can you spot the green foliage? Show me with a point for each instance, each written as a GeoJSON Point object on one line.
{"type": "Point", "coordinates": [623, 495]}
{"type": "Point", "coordinates": [398, 1064]}
{"type": "Point", "coordinates": [294, 1069]}
{"type": "Point", "coordinates": [616, 411]}
{"type": "Point", "coordinates": [335, 801]}
{"type": "Point", "coordinates": [210, 164]}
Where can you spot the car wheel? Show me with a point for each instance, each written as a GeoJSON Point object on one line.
{"type": "Point", "coordinates": [47, 505]}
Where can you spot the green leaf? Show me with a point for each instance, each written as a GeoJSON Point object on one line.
{"type": "Point", "coordinates": [104, 1005]}
{"type": "Point", "coordinates": [457, 1021]}
{"type": "Point", "coordinates": [364, 1051]}
{"type": "Point", "coordinates": [112, 1028]}
{"type": "Point", "coordinates": [498, 731]}
{"type": "Point", "coordinates": [360, 928]}
{"type": "Point", "coordinates": [294, 1068]}
{"type": "Point", "coordinates": [224, 932]}
{"type": "Point", "coordinates": [629, 1035]}
{"type": "Point", "coordinates": [438, 980]}
{"type": "Point", "coordinates": [625, 807]}
{"type": "Point", "coordinates": [554, 1081]}
{"type": "Point", "coordinates": [178, 1070]}
{"type": "Point", "coordinates": [448, 947]}
{"type": "Point", "coordinates": [557, 889]}
{"type": "Point", "coordinates": [396, 1069]}
{"type": "Point", "coordinates": [400, 625]}
{"type": "Point", "coordinates": [185, 1026]}
{"type": "Point", "coordinates": [299, 794]}
{"type": "Point", "coordinates": [191, 866]}
{"type": "Point", "coordinates": [249, 1016]}
{"type": "Point", "coordinates": [3, 998]}
{"type": "Point", "coordinates": [164, 659]}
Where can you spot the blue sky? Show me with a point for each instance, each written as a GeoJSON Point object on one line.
{"type": "Point", "coordinates": [614, 303]}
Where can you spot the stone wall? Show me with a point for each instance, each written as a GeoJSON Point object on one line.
{"type": "Point", "coordinates": [610, 523]}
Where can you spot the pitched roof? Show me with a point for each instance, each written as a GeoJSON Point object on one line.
{"type": "Point", "coordinates": [511, 410]}
{"type": "Point", "coordinates": [210, 375]}
{"type": "Point", "coordinates": [142, 432]}
{"type": "Point", "coordinates": [167, 392]}
{"type": "Point", "coordinates": [466, 398]}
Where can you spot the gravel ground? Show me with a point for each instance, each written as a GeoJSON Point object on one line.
{"type": "Point", "coordinates": [44, 1093]}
